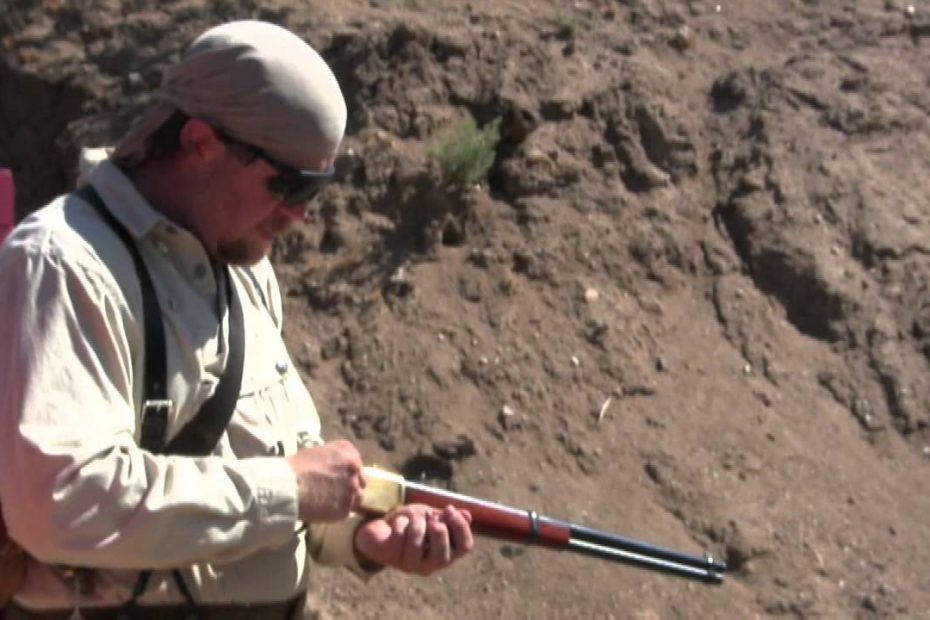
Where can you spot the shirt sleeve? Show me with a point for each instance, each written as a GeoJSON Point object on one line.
{"type": "Point", "coordinates": [333, 544]}
{"type": "Point", "coordinates": [76, 488]}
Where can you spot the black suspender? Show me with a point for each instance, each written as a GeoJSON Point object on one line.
{"type": "Point", "coordinates": [203, 432]}
{"type": "Point", "coordinates": [155, 402]}
{"type": "Point", "coordinates": [199, 436]}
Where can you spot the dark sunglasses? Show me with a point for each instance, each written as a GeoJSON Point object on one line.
{"type": "Point", "coordinates": [289, 185]}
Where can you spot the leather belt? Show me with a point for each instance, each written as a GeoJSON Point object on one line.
{"type": "Point", "coordinates": [286, 610]}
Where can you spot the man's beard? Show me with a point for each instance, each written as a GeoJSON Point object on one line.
{"type": "Point", "coordinates": [250, 250]}
{"type": "Point", "coordinates": [242, 252]}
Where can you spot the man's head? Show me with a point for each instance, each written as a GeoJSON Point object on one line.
{"type": "Point", "coordinates": [245, 127]}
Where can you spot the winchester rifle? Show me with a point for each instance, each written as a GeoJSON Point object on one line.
{"type": "Point", "coordinates": [385, 491]}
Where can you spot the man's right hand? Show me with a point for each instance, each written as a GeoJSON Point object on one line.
{"type": "Point", "coordinates": [329, 481]}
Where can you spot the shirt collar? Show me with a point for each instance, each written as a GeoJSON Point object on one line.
{"type": "Point", "coordinates": [124, 201]}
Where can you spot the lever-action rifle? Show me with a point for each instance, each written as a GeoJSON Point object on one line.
{"type": "Point", "coordinates": [385, 491]}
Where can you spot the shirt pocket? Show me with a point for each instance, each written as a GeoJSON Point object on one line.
{"type": "Point", "coordinates": [274, 414]}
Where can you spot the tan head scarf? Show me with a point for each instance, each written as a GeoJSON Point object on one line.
{"type": "Point", "coordinates": [260, 84]}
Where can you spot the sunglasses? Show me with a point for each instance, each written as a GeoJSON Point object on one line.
{"type": "Point", "coordinates": [289, 185]}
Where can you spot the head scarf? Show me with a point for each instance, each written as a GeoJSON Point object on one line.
{"type": "Point", "coordinates": [258, 83]}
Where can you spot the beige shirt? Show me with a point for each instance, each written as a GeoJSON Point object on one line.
{"type": "Point", "coordinates": [76, 488]}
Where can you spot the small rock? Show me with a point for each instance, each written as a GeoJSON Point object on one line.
{"type": "Point", "coordinates": [661, 364]}
{"type": "Point", "coordinates": [508, 418]}
{"type": "Point", "coordinates": [512, 551]}
{"type": "Point", "coordinates": [481, 258]}
{"type": "Point", "coordinates": [398, 284]}
{"type": "Point", "coordinates": [591, 295]}
{"type": "Point", "coordinates": [596, 333]}
{"type": "Point", "coordinates": [683, 39]}
{"type": "Point", "coordinates": [576, 362]}
{"type": "Point", "coordinates": [457, 448]}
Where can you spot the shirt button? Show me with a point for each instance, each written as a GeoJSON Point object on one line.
{"type": "Point", "coordinates": [162, 247]}
{"type": "Point", "coordinates": [200, 271]}
{"type": "Point", "coordinates": [281, 367]}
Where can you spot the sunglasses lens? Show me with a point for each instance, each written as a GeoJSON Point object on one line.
{"type": "Point", "coordinates": [295, 188]}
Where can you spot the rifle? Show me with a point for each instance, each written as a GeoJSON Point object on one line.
{"type": "Point", "coordinates": [385, 491]}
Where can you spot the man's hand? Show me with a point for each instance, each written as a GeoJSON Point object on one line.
{"type": "Point", "coordinates": [329, 481]}
{"type": "Point", "coordinates": [416, 538]}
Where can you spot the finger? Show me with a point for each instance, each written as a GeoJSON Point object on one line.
{"type": "Point", "coordinates": [372, 539]}
{"type": "Point", "coordinates": [460, 535]}
{"type": "Point", "coordinates": [342, 446]}
{"type": "Point", "coordinates": [400, 525]}
{"type": "Point", "coordinates": [439, 554]}
{"type": "Point", "coordinates": [415, 538]}
{"type": "Point", "coordinates": [353, 460]}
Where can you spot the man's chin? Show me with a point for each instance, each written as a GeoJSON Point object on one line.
{"type": "Point", "coordinates": [243, 254]}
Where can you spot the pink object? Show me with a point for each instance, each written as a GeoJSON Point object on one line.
{"type": "Point", "coordinates": [7, 203]}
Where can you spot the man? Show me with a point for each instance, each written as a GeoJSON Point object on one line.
{"type": "Point", "coordinates": [243, 130]}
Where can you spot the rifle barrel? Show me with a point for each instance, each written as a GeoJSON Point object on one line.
{"type": "Point", "coordinates": [638, 547]}
{"type": "Point", "coordinates": [526, 526]}
{"type": "Point", "coordinates": [706, 574]}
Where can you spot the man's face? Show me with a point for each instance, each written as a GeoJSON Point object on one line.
{"type": "Point", "coordinates": [248, 216]}
{"type": "Point", "coordinates": [254, 219]}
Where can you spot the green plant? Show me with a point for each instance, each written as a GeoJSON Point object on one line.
{"type": "Point", "coordinates": [568, 25]}
{"type": "Point", "coordinates": [466, 154]}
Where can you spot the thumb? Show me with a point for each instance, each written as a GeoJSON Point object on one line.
{"type": "Point", "coordinates": [375, 541]}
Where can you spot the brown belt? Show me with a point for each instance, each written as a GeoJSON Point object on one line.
{"type": "Point", "coordinates": [287, 610]}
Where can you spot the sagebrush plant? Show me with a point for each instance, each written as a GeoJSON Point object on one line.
{"type": "Point", "coordinates": [467, 153]}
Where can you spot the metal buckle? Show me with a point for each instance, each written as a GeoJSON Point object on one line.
{"type": "Point", "coordinates": [155, 415]}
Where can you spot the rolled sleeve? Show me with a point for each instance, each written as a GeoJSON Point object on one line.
{"type": "Point", "coordinates": [333, 544]}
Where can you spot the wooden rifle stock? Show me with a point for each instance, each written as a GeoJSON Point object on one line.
{"type": "Point", "coordinates": [385, 491]}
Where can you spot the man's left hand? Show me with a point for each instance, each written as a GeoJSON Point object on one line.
{"type": "Point", "coordinates": [417, 538]}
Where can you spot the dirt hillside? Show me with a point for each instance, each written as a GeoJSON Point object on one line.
{"type": "Point", "coordinates": [689, 302]}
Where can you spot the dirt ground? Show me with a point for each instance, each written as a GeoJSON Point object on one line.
{"type": "Point", "coordinates": [689, 304]}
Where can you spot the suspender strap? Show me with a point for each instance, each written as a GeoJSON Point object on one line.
{"type": "Point", "coordinates": [199, 436]}
{"type": "Point", "coordinates": [155, 403]}
{"type": "Point", "coordinates": [186, 593]}
{"type": "Point", "coordinates": [203, 432]}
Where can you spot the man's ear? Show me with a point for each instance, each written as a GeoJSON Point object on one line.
{"type": "Point", "coordinates": [199, 139]}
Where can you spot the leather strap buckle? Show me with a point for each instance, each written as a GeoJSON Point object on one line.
{"type": "Point", "coordinates": [155, 415]}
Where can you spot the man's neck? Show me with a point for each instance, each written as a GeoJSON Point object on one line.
{"type": "Point", "coordinates": [163, 188]}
